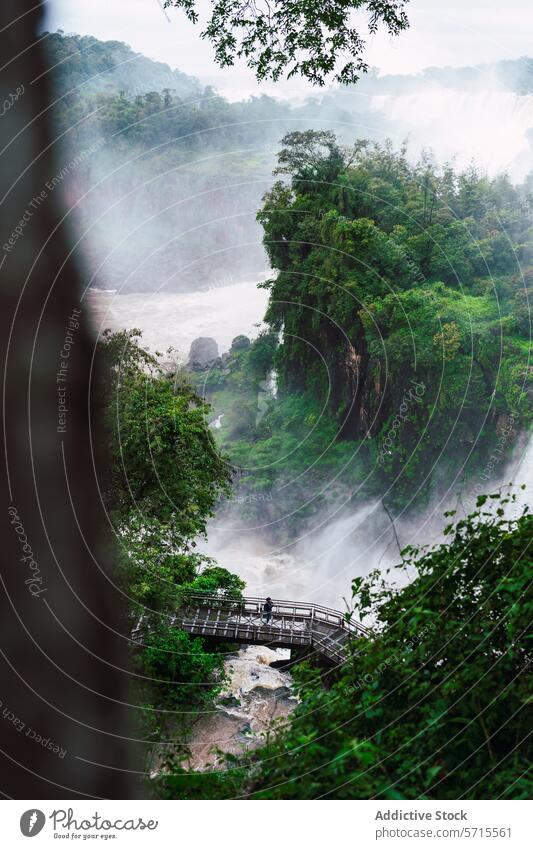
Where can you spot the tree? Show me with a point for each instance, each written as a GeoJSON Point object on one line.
{"type": "Point", "coordinates": [310, 155]}
{"type": "Point", "coordinates": [297, 38]}
{"type": "Point", "coordinates": [376, 273]}
{"type": "Point", "coordinates": [162, 483]}
{"type": "Point", "coordinates": [164, 461]}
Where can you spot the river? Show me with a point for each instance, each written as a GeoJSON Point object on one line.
{"type": "Point", "coordinates": [173, 320]}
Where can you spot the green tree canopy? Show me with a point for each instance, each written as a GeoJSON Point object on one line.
{"type": "Point", "coordinates": [165, 463]}
{"type": "Point", "coordinates": [295, 38]}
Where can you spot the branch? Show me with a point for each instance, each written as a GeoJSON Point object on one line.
{"type": "Point", "coordinates": [386, 509]}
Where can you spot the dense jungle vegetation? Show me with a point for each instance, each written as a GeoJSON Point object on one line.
{"type": "Point", "coordinates": [162, 485]}
{"type": "Point", "coordinates": [401, 302]}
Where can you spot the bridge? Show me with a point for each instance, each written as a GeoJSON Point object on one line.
{"type": "Point", "coordinates": [293, 624]}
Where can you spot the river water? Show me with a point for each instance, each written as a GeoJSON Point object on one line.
{"type": "Point", "coordinates": [257, 698]}
{"type": "Point", "coordinates": [173, 320]}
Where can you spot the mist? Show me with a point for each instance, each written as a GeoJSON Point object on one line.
{"type": "Point", "coordinates": [344, 542]}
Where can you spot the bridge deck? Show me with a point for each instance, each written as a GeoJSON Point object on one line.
{"type": "Point", "coordinates": [292, 624]}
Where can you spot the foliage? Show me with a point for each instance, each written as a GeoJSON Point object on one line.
{"type": "Point", "coordinates": [183, 673]}
{"type": "Point", "coordinates": [218, 581]}
{"type": "Point", "coordinates": [165, 477]}
{"type": "Point", "coordinates": [311, 155]}
{"type": "Point", "coordinates": [261, 355]}
{"type": "Point", "coordinates": [390, 275]}
{"type": "Point", "coordinates": [164, 462]}
{"type": "Point", "coordinates": [304, 39]}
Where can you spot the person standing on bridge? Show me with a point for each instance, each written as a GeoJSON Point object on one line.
{"type": "Point", "coordinates": [267, 610]}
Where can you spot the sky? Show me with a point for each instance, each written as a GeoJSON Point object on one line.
{"type": "Point", "coordinates": [454, 33]}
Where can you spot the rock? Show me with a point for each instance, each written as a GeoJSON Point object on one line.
{"type": "Point", "coordinates": [229, 700]}
{"type": "Point", "coordinates": [240, 343]}
{"type": "Point", "coordinates": [281, 664]}
{"type": "Point", "coordinates": [271, 693]}
{"type": "Point", "coordinates": [203, 353]}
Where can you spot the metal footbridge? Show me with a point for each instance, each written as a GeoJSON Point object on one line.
{"type": "Point", "coordinates": [292, 624]}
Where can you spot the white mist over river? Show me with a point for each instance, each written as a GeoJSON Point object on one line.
{"type": "Point", "coordinates": [317, 567]}
{"type": "Point", "coordinates": [490, 127]}
{"type": "Point", "coordinates": [175, 319]}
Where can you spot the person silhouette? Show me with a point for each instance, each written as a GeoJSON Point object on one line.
{"type": "Point", "coordinates": [267, 610]}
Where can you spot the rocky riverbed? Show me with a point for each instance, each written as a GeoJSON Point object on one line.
{"type": "Point", "coordinates": [258, 697]}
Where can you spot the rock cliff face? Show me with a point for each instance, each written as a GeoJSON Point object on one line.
{"type": "Point", "coordinates": [341, 369]}
{"type": "Point", "coordinates": [203, 353]}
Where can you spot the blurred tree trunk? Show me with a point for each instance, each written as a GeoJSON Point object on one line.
{"type": "Point", "coordinates": [63, 647]}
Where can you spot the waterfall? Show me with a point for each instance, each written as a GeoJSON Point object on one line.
{"type": "Point", "coordinates": [488, 126]}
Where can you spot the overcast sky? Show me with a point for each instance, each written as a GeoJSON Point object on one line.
{"type": "Point", "coordinates": [454, 32]}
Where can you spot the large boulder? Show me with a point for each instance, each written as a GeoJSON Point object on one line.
{"type": "Point", "coordinates": [203, 353]}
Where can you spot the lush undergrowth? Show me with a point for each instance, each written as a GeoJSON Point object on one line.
{"type": "Point", "coordinates": [435, 705]}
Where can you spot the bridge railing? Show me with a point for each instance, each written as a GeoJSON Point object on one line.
{"type": "Point", "coordinates": [252, 606]}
